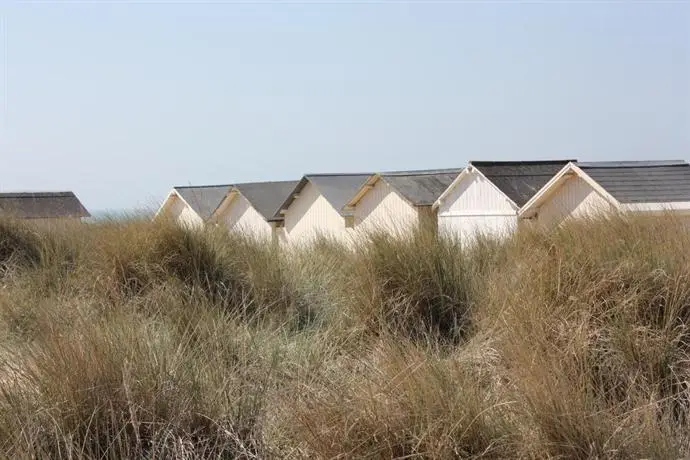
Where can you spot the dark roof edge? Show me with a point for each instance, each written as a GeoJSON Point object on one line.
{"type": "Point", "coordinates": [339, 174]}
{"type": "Point", "coordinates": [422, 172]}
{"type": "Point", "coordinates": [36, 194]}
{"type": "Point", "coordinates": [201, 186]}
{"type": "Point", "coordinates": [520, 163]}
{"type": "Point", "coordinates": [630, 164]}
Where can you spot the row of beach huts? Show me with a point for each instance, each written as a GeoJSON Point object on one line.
{"type": "Point", "coordinates": [488, 197]}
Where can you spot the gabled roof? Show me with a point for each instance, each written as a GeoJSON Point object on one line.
{"type": "Point", "coordinates": [337, 189]}
{"type": "Point", "coordinates": [629, 185]}
{"type": "Point", "coordinates": [642, 181]}
{"type": "Point", "coordinates": [266, 197]}
{"type": "Point", "coordinates": [419, 188]}
{"type": "Point", "coordinates": [203, 199]}
{"type": "Point", "coordinates": [519, 180]}
{"type": "Point", "coordinates": [42, 205]}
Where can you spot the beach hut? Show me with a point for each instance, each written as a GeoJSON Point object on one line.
{"type": "Point", "coordinates": [192, 206]}
{"type": "Point", "coordinates": [582, 189]}
{"type": "Point", "coordinates": [397, 202]}
{"type": "Point", "coordinates": [486, 196]}
{"type": "Point", "coordinates": [250, 208]}
{"type": "Point", "coordinates": [315, 208]}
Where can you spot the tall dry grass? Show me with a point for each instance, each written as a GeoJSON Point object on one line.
{"type": "Point", "coordinates": [130, 339]}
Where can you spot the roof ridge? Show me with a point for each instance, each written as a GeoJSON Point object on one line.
{"type": "Point", "coordinates": [422, 172]}
{"type": "Point", "coordinates": [339, 174]}
{"type": "Point", "coordinates": [631, 164]}
{"type": "Point", "coordinates": [201, 186]}
{"type": "Point", "coordinates": [264, 182]}
{"type": "Point", "coordinates": [36, 194]}
{"type": "Point", "coordinates": [520, 162]}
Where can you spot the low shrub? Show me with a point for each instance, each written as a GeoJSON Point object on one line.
{"type": "Point", "coordinates": [416, 284]}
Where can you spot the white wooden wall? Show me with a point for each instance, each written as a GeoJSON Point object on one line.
{"type": "Point", "coordinates": [382, 208]}
{"type": "Point", "coordinates": [476, 206]}
{"type": "Point", "coordinates": [182, 214]}
{"type": "Point", "coordinates": [240, 216]}
{"type": "Point", "coordinates": [311, 215]}
{"type": "Point", "coordinates": [575, 198]}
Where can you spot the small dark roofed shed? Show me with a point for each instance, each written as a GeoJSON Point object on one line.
{"type": "Point", "coordinates": [642, 181]}
{"type": "Point", "coordinates": [520, 180]}
{"type": "Point", "coordinates": [42, 205]}
{"type": "Point", "coordinates": [203, 199]}
{"type": "Point", "coordinates": [266, 197]}
{"type": "Point", "coordinates": [421, 188]}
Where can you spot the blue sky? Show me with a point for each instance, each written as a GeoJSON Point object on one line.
{"type": "Point", "coordinates": [119, 102]}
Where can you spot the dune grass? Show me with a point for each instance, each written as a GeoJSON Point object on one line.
{"type": "Point", "coordinates": [131, 339]}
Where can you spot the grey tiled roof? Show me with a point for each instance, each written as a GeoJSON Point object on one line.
{"type": "Point", "coordinates": [266, 197]}
{"type": "Point", "coordinates": [337, 189]}
{"type": "Point", "coordinates": [520, 180]}
{"type": "Point", "coordinates": [642, 181]}
{"type": "Point", "coordinates": [421, 188]}
{"type": "Point", "coordinates": [42, 205]}
{"type": "Point", "coordinates": [203, 199]}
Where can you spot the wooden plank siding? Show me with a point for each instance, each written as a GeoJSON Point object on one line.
{"type": "Point", "coordinates": [182, 214]}
{"type": "Point", "coordinates": [384, 209]}
{"type": "Point", "coordinates": [310, 216]}
{"type": "Point", "coordinates": [575, 198]}
{"type": "Point", "coordinates": [241, 217]}
{"type": "Point", "coordinates": [476, 206]}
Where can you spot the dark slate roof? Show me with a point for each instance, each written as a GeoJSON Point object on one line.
{"type": "Point", "coordinates": [203, 199]}
{"type": "Point", "coordinates": [520, 180]}
{"type": "Point", "coordinates": [421, 171]}
{"type": "Point", "coordinates": [337, 189]}
{"type": "Point", "coordinates": [42, 205]}
{"type": "Point", "coordinates": [266, 197]}
{"type": "Point", "coordinates": [642, 181]}
{"type": "Point", "coordinates": [421, 188]}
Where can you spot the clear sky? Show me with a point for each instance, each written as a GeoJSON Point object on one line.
{"type": "Point", "coordinates": [119, 102]}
